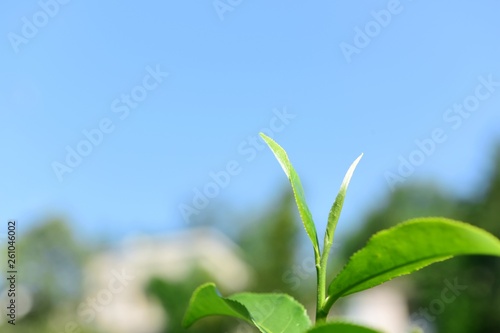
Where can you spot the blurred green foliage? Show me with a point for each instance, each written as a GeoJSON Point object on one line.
{"type": "Point", "coordinates": [50, 261]}
{"type": "Point", "coordinates": [270, 243]}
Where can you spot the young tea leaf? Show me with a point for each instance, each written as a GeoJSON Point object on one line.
{"type": "Point", "coordinates": [270, 313]}
{"type": "Point", "coordinates": [408, 247]}
{"type": "Point", "coordinates": [298, 192]}
{"type": "Point", "coordinates": [341, 327]}
{"type": "Point", "coordinates": [333, 218]}
{"type": "Point", "coordinates": [336, 209]}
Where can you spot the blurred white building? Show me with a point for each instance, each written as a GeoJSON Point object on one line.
{"type": "Point", "coordinates": [115, 281]}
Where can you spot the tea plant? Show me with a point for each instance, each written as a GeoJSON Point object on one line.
{"type": "Point", "coordinates": [394, 252]}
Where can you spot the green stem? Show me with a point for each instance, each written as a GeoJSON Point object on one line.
{"type": "Point", "coordinates": [321, 280]}
{"type": "Point", "coordinates": [320, 297]}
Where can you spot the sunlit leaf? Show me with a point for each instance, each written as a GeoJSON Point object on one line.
{"type": "Point", "coordinates": [336, 209]}
{"type": "Point", "coordinates": [298, 191]}
{"type": "Point", "coordinates": [270, 313]}
{"type": "Point", "coordinates": [406, 248]}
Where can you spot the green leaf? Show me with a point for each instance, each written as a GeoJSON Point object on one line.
{"type": "Point", "coordinates": [206, 302]}
{"type": "Point", "coordinates": [336, 209]}
{"type": "Point", "coordinates": [298, 192]}
{"type": "Point", "coordinates": [268, 312]}
{"type": "Point", "coordinates": [406, 248]}
{"type": "Point", "coordinates": [275, 312]}
{"type": "Point", "coordinates": [341, 327]}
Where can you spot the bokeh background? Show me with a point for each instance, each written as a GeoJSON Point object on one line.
{"type": "Point", "coordinates": [132, 164]}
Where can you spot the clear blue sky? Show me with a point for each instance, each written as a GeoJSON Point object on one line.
{"type": "Point", "coordinates": [227, 72]}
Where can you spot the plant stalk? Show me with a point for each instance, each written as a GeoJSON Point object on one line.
{"type": "Point", "coordinates": [321, 314]}
{"type": "Point", "coordinates": [321, 292]}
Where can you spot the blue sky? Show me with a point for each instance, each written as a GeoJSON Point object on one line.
{"type": "Point", "coordinates": [68, 68]}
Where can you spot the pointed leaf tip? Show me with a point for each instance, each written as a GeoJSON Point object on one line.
{"type": "Point", "coordinates": [350, 172]}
